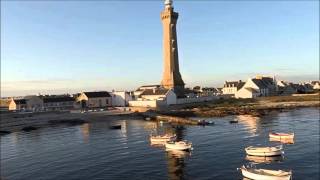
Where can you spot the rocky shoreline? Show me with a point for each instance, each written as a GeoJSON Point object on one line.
{"type": "Point", "coordinates": [33, 121]}
{"type": "Point", "coordinates": [254, 109]}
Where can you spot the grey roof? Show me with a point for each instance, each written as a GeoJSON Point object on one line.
{"type": "Point", "coordinates": [209, 89]}
{"type": "Point", "coordinates": [260, 83]}
{"type": "Point", "coordinates": [267, 80]}
{"type": "Point", "coordinates": [238, 84]}
{"type": "Point", "coordinates": [252, 90]}
{"type": "Point", "coordinates": [97, 94]}
{"type": "Point", "coordinates": [155, 92]}
{"type": "Point", "coordinates": [20, 101]}
{"type": "Point", "coordinates": [156, 85]}
{"type": "Point", "coordinates": [51, 99]}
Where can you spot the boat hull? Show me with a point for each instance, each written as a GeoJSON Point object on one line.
{"type": "Point", "coordinates": [274, 153]}
{"type": "Point", "coordinates": [179, 147]}
{"type": "Point", "coordinates": [281, 136]}
{"type": "Point", "coordinates": [264, 151]}
{"type": "Point", "coordinates": [161, 139]}
{"type": "Point", "coordinates": [255, 176]}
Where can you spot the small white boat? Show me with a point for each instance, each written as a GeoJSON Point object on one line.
{"type": "Point", "coordinates": [162, 138]}
{"type": "Point", "coordinates": [264, 151]}
{"type": "Point", "coordinates": [179, 145]}
{"type": "Point", "coordinates": [281, 136]}
{"type": "Point", "coordinates": [265, 174]}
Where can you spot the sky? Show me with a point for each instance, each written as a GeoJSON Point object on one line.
{"type": "Point", "coordinates": [54, 47]}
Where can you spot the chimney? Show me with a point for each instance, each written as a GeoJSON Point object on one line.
{"type": "Point", "coordinates": [258, 77]}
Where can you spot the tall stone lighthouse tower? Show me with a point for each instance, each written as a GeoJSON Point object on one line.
{"type": "Point", "coordinates": [171, 74]}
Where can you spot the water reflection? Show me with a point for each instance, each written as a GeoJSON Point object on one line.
{"type": "Point", "coordinates": [117, 154]}
{"type": "Point", "coordinates": [176, 164]}
{"type": "Point", "coordinates": [251, 122]}
{"type": "Point", "coordinates": [179, 131]}
{"type": "Point", "coordinates": [283, 141]}
{"type": "Point", "coordinates": [175, 158]}
{"type": "Point", "coordinates": [264, 159]}
{"type": "Point", "coordinates": [85, 130]}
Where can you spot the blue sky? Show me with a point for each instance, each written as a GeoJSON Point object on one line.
{"type": "Point", "coordinates": [69, 46]}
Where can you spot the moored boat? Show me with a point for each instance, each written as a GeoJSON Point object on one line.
{"type": "Point", "coordinates": [162, 138]}
{"type": "Point", "coordinates": [280, 136]}
{"type": "Point", "coordinates": [233, 121]}
{"type": "Point", "coordinates": [205, 123]}
{"type": "Point", "coordinates": [179, 145]}
{"type": "Point", "coordinates": [265, 174]}
{"type": "Point", "coordinates": [115, 127]}
{"type": "Point", "coordinates": [264, 151]}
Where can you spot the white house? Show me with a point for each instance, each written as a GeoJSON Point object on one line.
{"type": "Point", "coordinates": [316, 85]}
{"type": "Point", "coordinates": [58, 102]}
{"type": "Point", "coordinates": [259, 86]}
{"type": "Point", "coordinates": [98, 99]}
{"type": "Point", "coordinates": [231, 87]}
{"type": "Point", "coordinates": [7, 104]}
{"type": "Point", "coordinates": [34, 103]}
{"type": "Point", "coordinates": [154, 98]}
{"type": "Point", "coordinates": [120, 98]}
{"type": "Point", "coordinates": [167, 95]}
{"type": "Point", "coordinates": [247, 92]}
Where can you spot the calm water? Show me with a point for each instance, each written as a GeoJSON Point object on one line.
{"type": "Point", "coordinates": [93, 151]}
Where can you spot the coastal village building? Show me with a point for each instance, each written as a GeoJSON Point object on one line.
{"type": "Point", "coordinates": [257, 87]}
{"type": "Point", "coordinates": [305, 88]}
{"type": "Point", "coordinates": [99, 99]}
{"type": "Point", "coordinates": [140, 90]}
{"type": "Point", "coordinates": [21, 104]}
{"type": "Point", "coordinates": [285, 88]}
{"type": "Point", "coordinates": [154, 98]}
{"type": "Point", "coordinates": [28, 103]}
{"type": "Point", "coordinates": [120, 98]}
{"type": "Point", "coordinates": [231, 87]}
{"type": "Point", "coordinates": [206, 91]}
{"type": "Point", "coordinates": [315, 85]}
{"type": "Point", "coordinates": [58, 102]}
{"type": "Point", "coordinates": [7, 105]}
{"type": "Point", "coordinates": [34, 103]}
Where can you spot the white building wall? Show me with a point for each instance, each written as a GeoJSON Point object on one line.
{"type": "Point", "coordinates": [244, 93]}
{"type": "Point", "coordinates": [120, 98]}
{"type": "Point", "coordinates": [171, 98]}
{"type": "Point", "coordinates": [229, 90]}
{"type": "Point", "coordinates": [316, 86]}
{"type": "Point", "coordinates": [152, 97]}
{"type": "Point", "coordinates": [99, 102]}
{"type": "Point", "coordinates": [251, 84]}
{"type": "Point", "coordinates": [146, 103]}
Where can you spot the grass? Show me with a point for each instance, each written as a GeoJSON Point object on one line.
{"type": "Point", "coordinates": [290, 98]}
{"type": "Point", "coordinates": [231, 102]}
